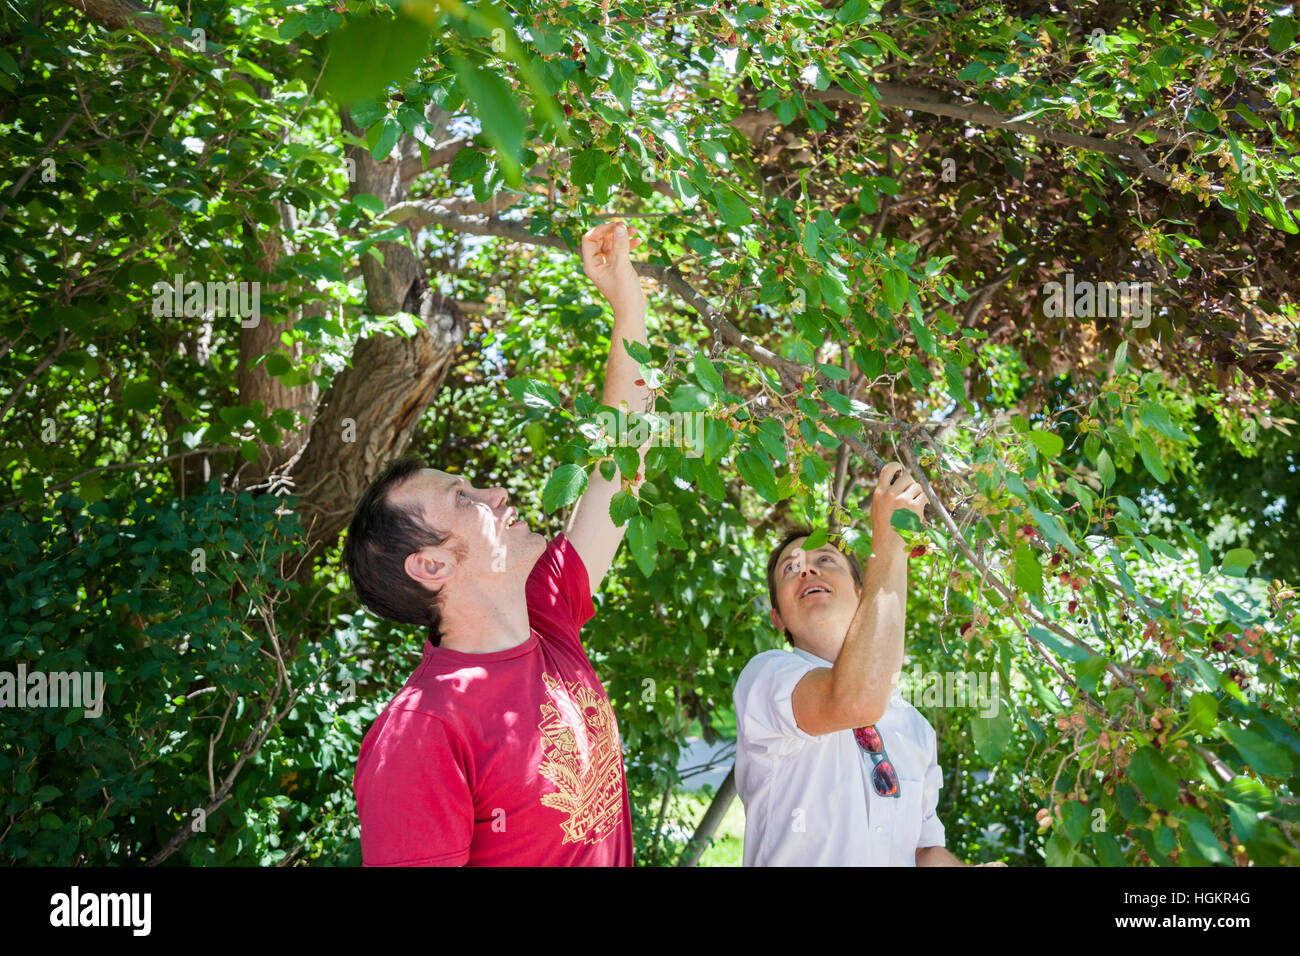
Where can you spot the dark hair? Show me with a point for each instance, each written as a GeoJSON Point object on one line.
{"type": "Point", "coordinates": [380, 537]}
{"type": "Point", "coordinates": [855, 568]}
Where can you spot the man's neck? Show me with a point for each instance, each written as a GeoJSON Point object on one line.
{"type": "Point", "coordinates": [485, 617]}
{"type": "Point", "coordinates": [827, 652]}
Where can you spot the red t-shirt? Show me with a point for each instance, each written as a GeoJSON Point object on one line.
{"type": "Point", "coordinates": [510, 758]}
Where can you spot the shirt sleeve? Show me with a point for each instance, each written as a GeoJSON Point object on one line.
{"type": "Point", "coordinates": [559, 590]}
{"type": "Point", "coordinates": [932, 833]}
{"type": "Point", "coordinates": [413, 796]}
{"type": "Point", "coordinates": [764, 708]}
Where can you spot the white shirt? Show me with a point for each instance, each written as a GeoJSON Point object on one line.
{"type": "Point", "coordinates": [809, 800]}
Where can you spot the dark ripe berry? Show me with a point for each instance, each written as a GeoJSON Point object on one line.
{"type": "Point", "coordinates": [918, 551]}
{"type": "Point", "coordinates": [568, 109]}
{"type": "Point", "coordinates": [965, 628]}
{"type": "Point", "coordinates": [1217, 646]}
{"type": "Point", "coordinates": [1056, 559]}
{"type": "Point", "coordinates": [1073, 606]}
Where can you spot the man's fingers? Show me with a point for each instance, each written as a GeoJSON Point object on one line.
{"type": "Point", "coordinates": [620, 239]}
{"type": "Point", "coordinates": [888, 472]}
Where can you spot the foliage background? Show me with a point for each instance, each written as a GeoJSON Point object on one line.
{"type": "Point", "coordinates": [853, 211]}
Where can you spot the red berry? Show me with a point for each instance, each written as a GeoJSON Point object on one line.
{"type": "Point", "coordinates": [1072, 606]}
{"type": "Point", "coordinates": [639, 381]}
{"type": "Point", "coordinates": [918, 551]}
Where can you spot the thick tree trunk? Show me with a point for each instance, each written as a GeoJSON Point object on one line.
{"type": "Point", "coordinates": [367, 418]}
{"type": "Point", "coordinates": [370, 411]}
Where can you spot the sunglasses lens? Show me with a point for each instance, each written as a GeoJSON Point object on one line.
{"type": "Point", "coordinates": [885, 779]}
{"type": "Point", "coordinates": [869, 739]}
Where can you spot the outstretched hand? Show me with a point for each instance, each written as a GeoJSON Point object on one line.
{"type": "Point", "coordinates": [895, 491]}
{"type": "Point", "coordinates": [607, 261]}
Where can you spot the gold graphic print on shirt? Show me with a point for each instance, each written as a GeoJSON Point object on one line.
{"type": "Point", "coordinates": [582, 756]}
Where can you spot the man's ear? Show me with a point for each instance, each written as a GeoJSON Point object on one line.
{"type": "Point", "coordinates": [432, 567]}
{"type": "Point", "coordinates": [777, 622]}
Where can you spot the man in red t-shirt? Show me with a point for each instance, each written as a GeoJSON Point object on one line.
{"type": "Point", "coordinates": [502, 747]}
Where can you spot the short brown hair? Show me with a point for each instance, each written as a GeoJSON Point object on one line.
{"type": "Point", "coordinates": [380, 537]}
{"type": "Point", "coordinates": [855, 567]}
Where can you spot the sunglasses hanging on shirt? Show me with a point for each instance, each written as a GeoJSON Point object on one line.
{"type": "Point", "coordinates": [883, 775]}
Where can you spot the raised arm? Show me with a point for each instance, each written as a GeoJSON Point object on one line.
{"type": "Point", "coordinates": [607, 261]}
{"type": "Point", "coordinates": [855, 692]}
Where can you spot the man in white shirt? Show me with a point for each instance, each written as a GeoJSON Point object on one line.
{"type": "Point", "coordinates": [833, 766]}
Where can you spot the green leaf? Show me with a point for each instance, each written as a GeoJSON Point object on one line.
{"type": "Point", "coordinates": [469, 165]}
{"type": "Point", "coordinates": [1074, 821]}
{"type": "Point", "coordinates": [1050, 445]}
{"type": "Point", "coordinates": [498, 113]}
{"type": "Point", "coordinates": [629, 462]}
{"type": "Point", "coordinates": [735, 212]}
{"type": "Point", "coordinates": [533, 393]}
{"type": "Point", "coordinates": [1062, 648]}
{"type": "Point", "coordinates": [563, 487]}
{"type": "Point", "coordinates": [370, 203]}
{"type": "Point", "coordinates": [1053, 530]}
{"type": "Point", "coordinates": [1105, 469]}
{"type": "Point", "coordinates": [1151, 457]}
{"type": "Point", "coordinates": [1108, 851]}
{"type": "Point", "coordinates": [1028, 574]}
{"type": "Point", "coordinates": [641, 542]}
{"type": "Point", "coordinates": [689, 398]}
{"type": "Point", "coordinates": [1237, 561]}
{"type": "Point", "coordinates": [707, 375]}
{"type": "Point", "coordinates": [386, 138]}
{"type": "Point", "coordinates": [1202, 712]}
{"type": "Point", "coordinates": [1263, 755]}
{"type": "Point", "coordinates": [904, 520]}
{"type": "Point", "coordinates": [1206, 843]}
{"type": "Point", "coordinates": [756, 471]}
{"type": "Point", "coordinates": [895, 284]}
{"type": "Point", "coordinates": [140, 396]}
{"type": "Point", "coordinates": [1169, 55]}
{"type": "Point", "coordinates": [368, 53]}
{"type": "Point", "coordinates": [1156, 778]}
{"type": "Point", "coordinates": [1282, 32]}
{"type": "Point", "coordinates": [992, 735]}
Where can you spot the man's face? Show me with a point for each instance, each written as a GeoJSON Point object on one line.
{"type": "Point", "coordinates": [482, 523]}
{"type": "Point", "coordinates": [815, 591]}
